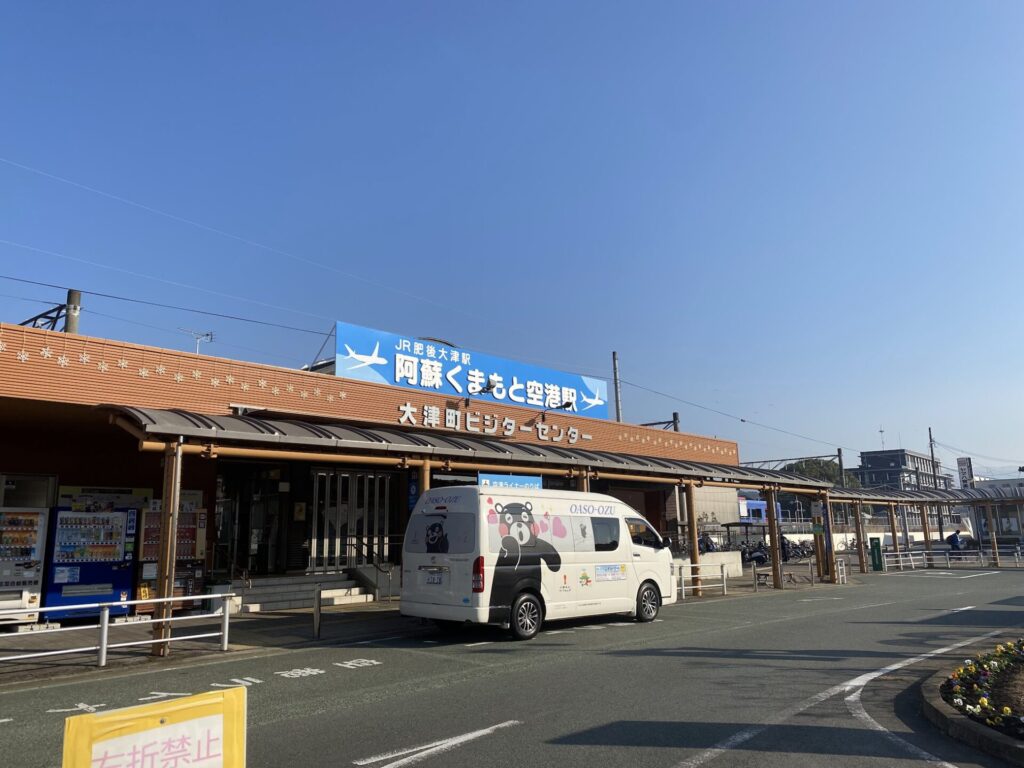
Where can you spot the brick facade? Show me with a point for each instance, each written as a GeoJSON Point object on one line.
{"type": "Point", "coordinates": [36, 364]}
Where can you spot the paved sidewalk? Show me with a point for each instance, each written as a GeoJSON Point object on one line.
{"type": "Point", "coordinates": [249, 633]}
{"type": "Point", "coordinates": [265, 632]}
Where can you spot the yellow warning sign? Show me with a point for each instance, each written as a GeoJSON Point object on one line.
{"type": "Point", "coordinates": [202, 731]}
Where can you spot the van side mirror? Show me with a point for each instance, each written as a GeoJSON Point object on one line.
{"type": "Point", "coordinates": [666, 542]}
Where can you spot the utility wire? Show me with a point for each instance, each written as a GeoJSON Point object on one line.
{"type": "Point", "coordinates": [145, 276]}
{"type": "Point", "coordinates": [144, 302]}
{"type": "Point", "coordinates": [965, 452]}
{"type": "Point", "coordinates": [733, 416]}
{"type": "Point", "coordinates": [237, 238]}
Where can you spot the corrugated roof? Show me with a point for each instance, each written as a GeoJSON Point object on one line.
{"type": "Point", "coordinates": [331, 438]}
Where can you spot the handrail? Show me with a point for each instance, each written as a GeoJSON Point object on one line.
{"type": "Point", "coordinates": [104, 626]}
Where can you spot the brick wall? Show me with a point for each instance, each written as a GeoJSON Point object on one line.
{"type": "Point", "coordinates": [43, 365]}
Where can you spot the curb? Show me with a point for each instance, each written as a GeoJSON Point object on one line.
{"type": "Point", "coordinates": [960, 727]}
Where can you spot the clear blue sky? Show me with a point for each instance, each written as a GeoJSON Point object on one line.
{"type": "Point", "coordinates": [807, 214]}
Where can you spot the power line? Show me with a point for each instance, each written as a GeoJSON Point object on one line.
{"type": "Point", "coordinates": [734, 416]}
{"type": "Point", "coordinates": [965, 452]}
{"type": "Point", "coordinates": [232, 236]}
{"type": "Point", "coordinates": [161, 305]}
{"type": "Point", "coordinates": [165, 281]}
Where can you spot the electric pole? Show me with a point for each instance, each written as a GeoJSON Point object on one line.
{"type": "Point", "coordinates": [935, 481]}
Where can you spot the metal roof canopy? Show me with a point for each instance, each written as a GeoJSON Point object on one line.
{"type": "Point", "coordinates": [332, 438]}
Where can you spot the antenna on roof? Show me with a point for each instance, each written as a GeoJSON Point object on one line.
{"type": "Point", "coordinates": [199, 336]}
{"type": "Point", "coordinates": [881, 432]}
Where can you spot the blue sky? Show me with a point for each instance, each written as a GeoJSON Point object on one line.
{"type": "Point", "coordinates": [805, 214]}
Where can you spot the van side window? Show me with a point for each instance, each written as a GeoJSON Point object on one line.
{"type": "Point", "coordinates": [642, 534]}
{"type": "Point", "coordinates": [606, 533]}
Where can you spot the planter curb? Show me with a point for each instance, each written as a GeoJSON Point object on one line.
{"type": "Point", "coordinates": [947, 719]}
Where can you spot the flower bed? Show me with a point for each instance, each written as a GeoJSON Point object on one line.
{"type": "Point", "coordinates": [977, 689]}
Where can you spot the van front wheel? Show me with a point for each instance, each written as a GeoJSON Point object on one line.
{"type": "Point", "coordinates": [526, 617]}
{"type": "Point", "coordinates": [648, 602]}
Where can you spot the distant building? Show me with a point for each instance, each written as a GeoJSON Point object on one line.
{"type": "Point", "coordinates": [901, 470]}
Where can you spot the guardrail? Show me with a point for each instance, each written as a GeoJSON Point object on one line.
{"type": "Point", "coordinates": [915, 559]}
{"type": "Point", "coordinates": [103, 627]}
{"type": "Point", "coordinates": [721, 582]}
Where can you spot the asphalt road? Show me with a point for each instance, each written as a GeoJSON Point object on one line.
{"type": "Point", "coordinates": [797, 678]}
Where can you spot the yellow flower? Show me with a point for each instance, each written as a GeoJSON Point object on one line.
{"type": "Point", "coordinates": [1007, 711]}
{"type": "Point", "coordinates": [982, 702]}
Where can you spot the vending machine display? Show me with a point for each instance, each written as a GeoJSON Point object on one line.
{"type": "Point", "coordinates": [22, 542]}
{"type": "Point", "coordinates": [190, 550]}
{"type": "Point", "coordinates": [91, 560]}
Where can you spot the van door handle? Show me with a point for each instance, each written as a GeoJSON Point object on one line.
{"type": "Point", "coordinates": [636, 554]}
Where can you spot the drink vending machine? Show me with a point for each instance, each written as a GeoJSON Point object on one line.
{"type": "Point", "coordinates": [92, 549]}
{"type": "Point", "coordinates": [190, 551]}
{"type": "Point", "coordinates": [22, 543]}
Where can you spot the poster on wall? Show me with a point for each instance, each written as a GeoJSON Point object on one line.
{"type": "Point", "coordinates": [380, 357]}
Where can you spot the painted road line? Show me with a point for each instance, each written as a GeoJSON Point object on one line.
{"type": "Point", "coordinates": [965, 608]}
{"type": "Point", "coordinates": [816, 599]}
{"type": "Point", "coordinates": [856, 708]}
{"type": "Point", "coordinates": [415, 754]}
{"type": "Point", "coordinates": [382, 640]}
{"type": "Point", "coordinates": [559, 632]}
{"type": "Point", "coordinates": [6, 720]}
{"type": "Point", "coordinates": [856, 683]}
{"type": "Point", "coordinates": [474, 645]}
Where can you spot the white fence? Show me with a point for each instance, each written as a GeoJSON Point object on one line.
{"type": "Point", "coordinates": [103, 627]}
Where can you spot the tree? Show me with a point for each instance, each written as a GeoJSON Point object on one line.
{"type": "Point", "coordinates": [821, 469]}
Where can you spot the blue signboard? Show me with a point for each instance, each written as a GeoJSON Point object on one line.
{"type": "Point", "coordinates": [405, 361]}
{"type": "Point", "coordinates": [509, 481]}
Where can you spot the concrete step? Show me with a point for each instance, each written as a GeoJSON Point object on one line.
{"type": "Point", "coordinates": [289, 605]}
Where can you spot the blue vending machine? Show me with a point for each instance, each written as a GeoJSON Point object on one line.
{"type": "Point", "coordinates": [91, 555]}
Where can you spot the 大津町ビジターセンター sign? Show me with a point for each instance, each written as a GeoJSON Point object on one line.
{"type": "Point", "coordinates": [380, 357]}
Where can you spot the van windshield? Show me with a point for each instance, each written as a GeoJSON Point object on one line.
{"type": "Point", "coordinates": [452, 533]}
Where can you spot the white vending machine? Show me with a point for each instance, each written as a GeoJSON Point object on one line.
{"type": "Point", "coordinates": [22, 548]}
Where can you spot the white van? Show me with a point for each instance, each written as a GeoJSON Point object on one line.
{"type": "Point", "coordinates": [516, 557]}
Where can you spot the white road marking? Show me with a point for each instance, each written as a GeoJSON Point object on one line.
{"type": "Point", "coordinates": [236, 681]}
{"type": "Point", "coordinates": [657, 620]}
{"type": "Point", "coordinates": [7, 720]}
{"type": "Point", "coordinates": [430, 642]}
{"type": "Point", "coordinates": [153, 695]}
{"type": "Point", "coordinates": [474, 645]}
{"type": "Point", "coordinates": [434, 748]}
{"type": "Point", "coordinates": [965, 608]}
{"type": "Point", "coordinates": [358, 663]}
{"type": "Point", "coordinates": [382, 640]}
{"type": "Point", "coordinates": [939, 575]}
{"type": "Point", "coordinates": [559, 632]}
{"type": "Point", "coordinates": [598, 627]}
{"type": "Point", "coordinates": [856, 707]}
{"type": "Point", "coordinates": [816, 599]}
{"type": "Point", "coordinates": [856, 683]}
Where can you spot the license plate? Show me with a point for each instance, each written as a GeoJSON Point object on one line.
{"type": "Point", "coordinates": [435, 578]}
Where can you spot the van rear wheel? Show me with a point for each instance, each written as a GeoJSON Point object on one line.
{"type": "Point", "coordinates": [526, 618]}
{"type": "Point", "coordinates": [648, 602]}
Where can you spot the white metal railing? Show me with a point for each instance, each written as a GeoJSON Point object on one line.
{"type": "Point", "coordinates": [912, 560]}
{"type": "Point", "coordinates": [103, 627]}
{"type": "Point", "coordinates": [709, 581]}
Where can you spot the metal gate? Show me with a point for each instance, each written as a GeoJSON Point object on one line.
{"type": "Point", "coordinates": [350, 521]}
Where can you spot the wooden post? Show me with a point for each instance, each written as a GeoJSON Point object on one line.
{"type": "Point", "coordinates": [425, 476]}
{"type": "Point", "coordinates": [168, 547]}
{"type": "Point", "coordinates": [830, 542]}
{"type": "Point", "coordinates": [926, 529]}
{"type": "Point", "coordinates": [775, 551]}
{"type": "Point", "coordinates": [992, 534]}
{"type": "Point", "coordinates": [892, 527]}
{"type": "Point", "coordinates": [691, 524]}
{"type": "Point", "coordinates": [861, 544]}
